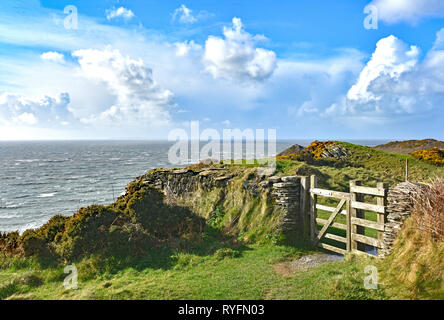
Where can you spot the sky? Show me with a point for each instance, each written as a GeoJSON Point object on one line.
{"type": "Point", "coordinates": [133, 69]}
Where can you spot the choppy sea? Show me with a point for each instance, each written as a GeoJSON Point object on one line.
{"type": "Point", "coordinates": [41, 179]}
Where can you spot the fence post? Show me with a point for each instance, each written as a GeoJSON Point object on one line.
{"type": "Point", "coordinates": [382, 201]}
{"type": "Point", "coordinates": [313, 201]}
{"type": "Point", "coordinates": [304, 207]}
{"type": "Point", "coordinates": [356, 213]}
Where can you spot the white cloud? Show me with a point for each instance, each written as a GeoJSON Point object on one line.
{"type": "Point", "coordinates": [394, 83]}
{"type": "Point", "coordinates": [411, 11]}
{"type": "Point", "coordinates": [236, 56]}
{"type": "Point", "coordinates": [184, 48]}
{"type": "Point", "coordinates": [53, 56]}
{"type": "Point", "coordinates": [139, 99]}
{"type": "Point", "coordinates": [121, 12]}
{"type": "Point", "coordinates": [184, 15]}
{"type": "Point", "coordinates": [22, 110]}
{"type": "Point", "coordinates": [391, 58]}
{"type": "Point", "coordinates": [25, 118]}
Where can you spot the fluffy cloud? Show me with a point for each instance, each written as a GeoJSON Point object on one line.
{"type": "Point", "coordinates": [393, 11]}
{"type": "Point", "coordinates": [395, 83]}
{"type": "Point", "coordinates": [53, 56]}
{"type": "Point", "coordinates": [236, 56]}
{"type": "Point", "coordinates": [45, 111]}
{"type": "Point", "coordinates": [121, 12]}
{"type": "Point", "coordinates": [391, 58]}
{"type": "Point", "coordinates": [184, 15]}
{"type": "Point", "coordinates": [138, 98]}
{"type": "Point", "coordinates": [184, 48]}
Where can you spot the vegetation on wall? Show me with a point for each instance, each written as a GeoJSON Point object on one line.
{"type": "Point", "coordinates": [415, 269]}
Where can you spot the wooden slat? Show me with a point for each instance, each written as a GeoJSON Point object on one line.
{"type": "Point", "coordinates": [367, 240]}
{"type": "Point", "coordinates": [335, 237]}
{"type": "Point", "coordinates": [330, 193]}
{"type": "Point", "coordinates": [349, 226]}
{"type": "Point", "coordinates": [355, 213]}
{"type": "Point", "coordinates": [367, 223]}
{"type": "Point", "coordinates": [363, 253]}
{"type": "Point", "coordinates": [367, 206]}
{"type": "Point", "coordinates": [330, 209]}
{"type": "Point", "coordinates": [331, 248]}
{"type": "Point", "coordinates": [367, 190]}
{"type": "Point", "coordinates": [330, 220]}
{"type": "Point", "coordinates": [334, 224]}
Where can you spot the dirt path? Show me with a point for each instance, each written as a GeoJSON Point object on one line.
{"type": "Point", "coordinates": [289, 268]}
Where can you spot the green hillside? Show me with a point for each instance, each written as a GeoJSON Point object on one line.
{"type": "Point", "coordinates": [143, 248]}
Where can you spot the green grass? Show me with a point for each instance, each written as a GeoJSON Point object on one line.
{"type": "Point", "coordinates": [220, 267]}
{"type": "Point", "coordinates": [365, 164]}
{"type": "Point", "coordinates": [242, 273]}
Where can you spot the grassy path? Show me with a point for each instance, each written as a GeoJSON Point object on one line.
{"type": "Point", "coordinates": [246, 274]}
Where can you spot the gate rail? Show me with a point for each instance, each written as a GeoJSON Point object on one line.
{"type": "Point", "coordinates": [355, 217]}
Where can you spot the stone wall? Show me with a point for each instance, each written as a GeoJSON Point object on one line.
{"type": "Point", "coordinates": [399, 208]}
{"type": "Point", "coordinates": [286, 193]}
{"type": "Point", "coordinates": [181, 185]}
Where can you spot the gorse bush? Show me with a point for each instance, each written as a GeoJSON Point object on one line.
{"type": "Point", "coordinates": [131, 226]}
{"type": "Point", "coordinates": [435, 155]}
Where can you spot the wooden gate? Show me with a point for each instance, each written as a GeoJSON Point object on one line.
{"type": "Point", "coordinates": [352, 223]}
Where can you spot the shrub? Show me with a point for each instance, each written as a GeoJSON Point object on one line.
{"type": "Point", "coordinates": [416, 266]}
{"type": "Point", "coordinates": [86, 232]}
{"type": "Point", "coordinates": [53, 229]}
{"type": "Point", "coordinates": [429, 209]}
{"type": "Point", "coordinates": [129, 238]}
{"type": "Point", "coordinates": [216, 218]}
{"type": "Point", "coordinates": [435, 155]}
{"type": "Point", "coordinates": [9, 242]}
{"type": "Point", "coordinates": [226, 253]}
{"type": "Point", "coordinates": [33, 244]}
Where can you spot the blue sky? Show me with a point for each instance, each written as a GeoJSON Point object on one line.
{"type": "Point", "coordinates": [140, 69]}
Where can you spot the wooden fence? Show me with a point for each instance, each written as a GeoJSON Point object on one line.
{"type": "Point", "coordinates": [356, 210]}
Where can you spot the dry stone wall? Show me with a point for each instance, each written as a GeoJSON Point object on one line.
{"type": "Point", "coordinates": [399, 208]}
{"type": "Point", "coordinates": [181, 184]}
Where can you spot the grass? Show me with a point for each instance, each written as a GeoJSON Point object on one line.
{"type": "Point", "coordinates": [243, 273]}
{"type": "Point", "coordinates": [365, 164]}
{"type": "Point", "coordinates": [221, 267]}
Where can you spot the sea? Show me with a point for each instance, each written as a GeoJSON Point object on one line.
{"type": "Point", "coordinates": [40, 179]}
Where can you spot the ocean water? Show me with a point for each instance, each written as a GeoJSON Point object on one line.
{"type": "Point", "coordinates": [41, 179]}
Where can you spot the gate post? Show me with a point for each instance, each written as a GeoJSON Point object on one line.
{"type": "Point", "coordinates": [382, 201]}
{"type": "Point", "coordinates": [304, 210]}
{"type": "Point", "coordinates": [356, 213]}
{"type": "Point", "coordinates": [313, 201]}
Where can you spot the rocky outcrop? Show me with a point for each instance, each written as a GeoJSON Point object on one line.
{"type": "Point", "coordinates": [293, 149]}
{"type": "Point", "coordinates": [334, 151]}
